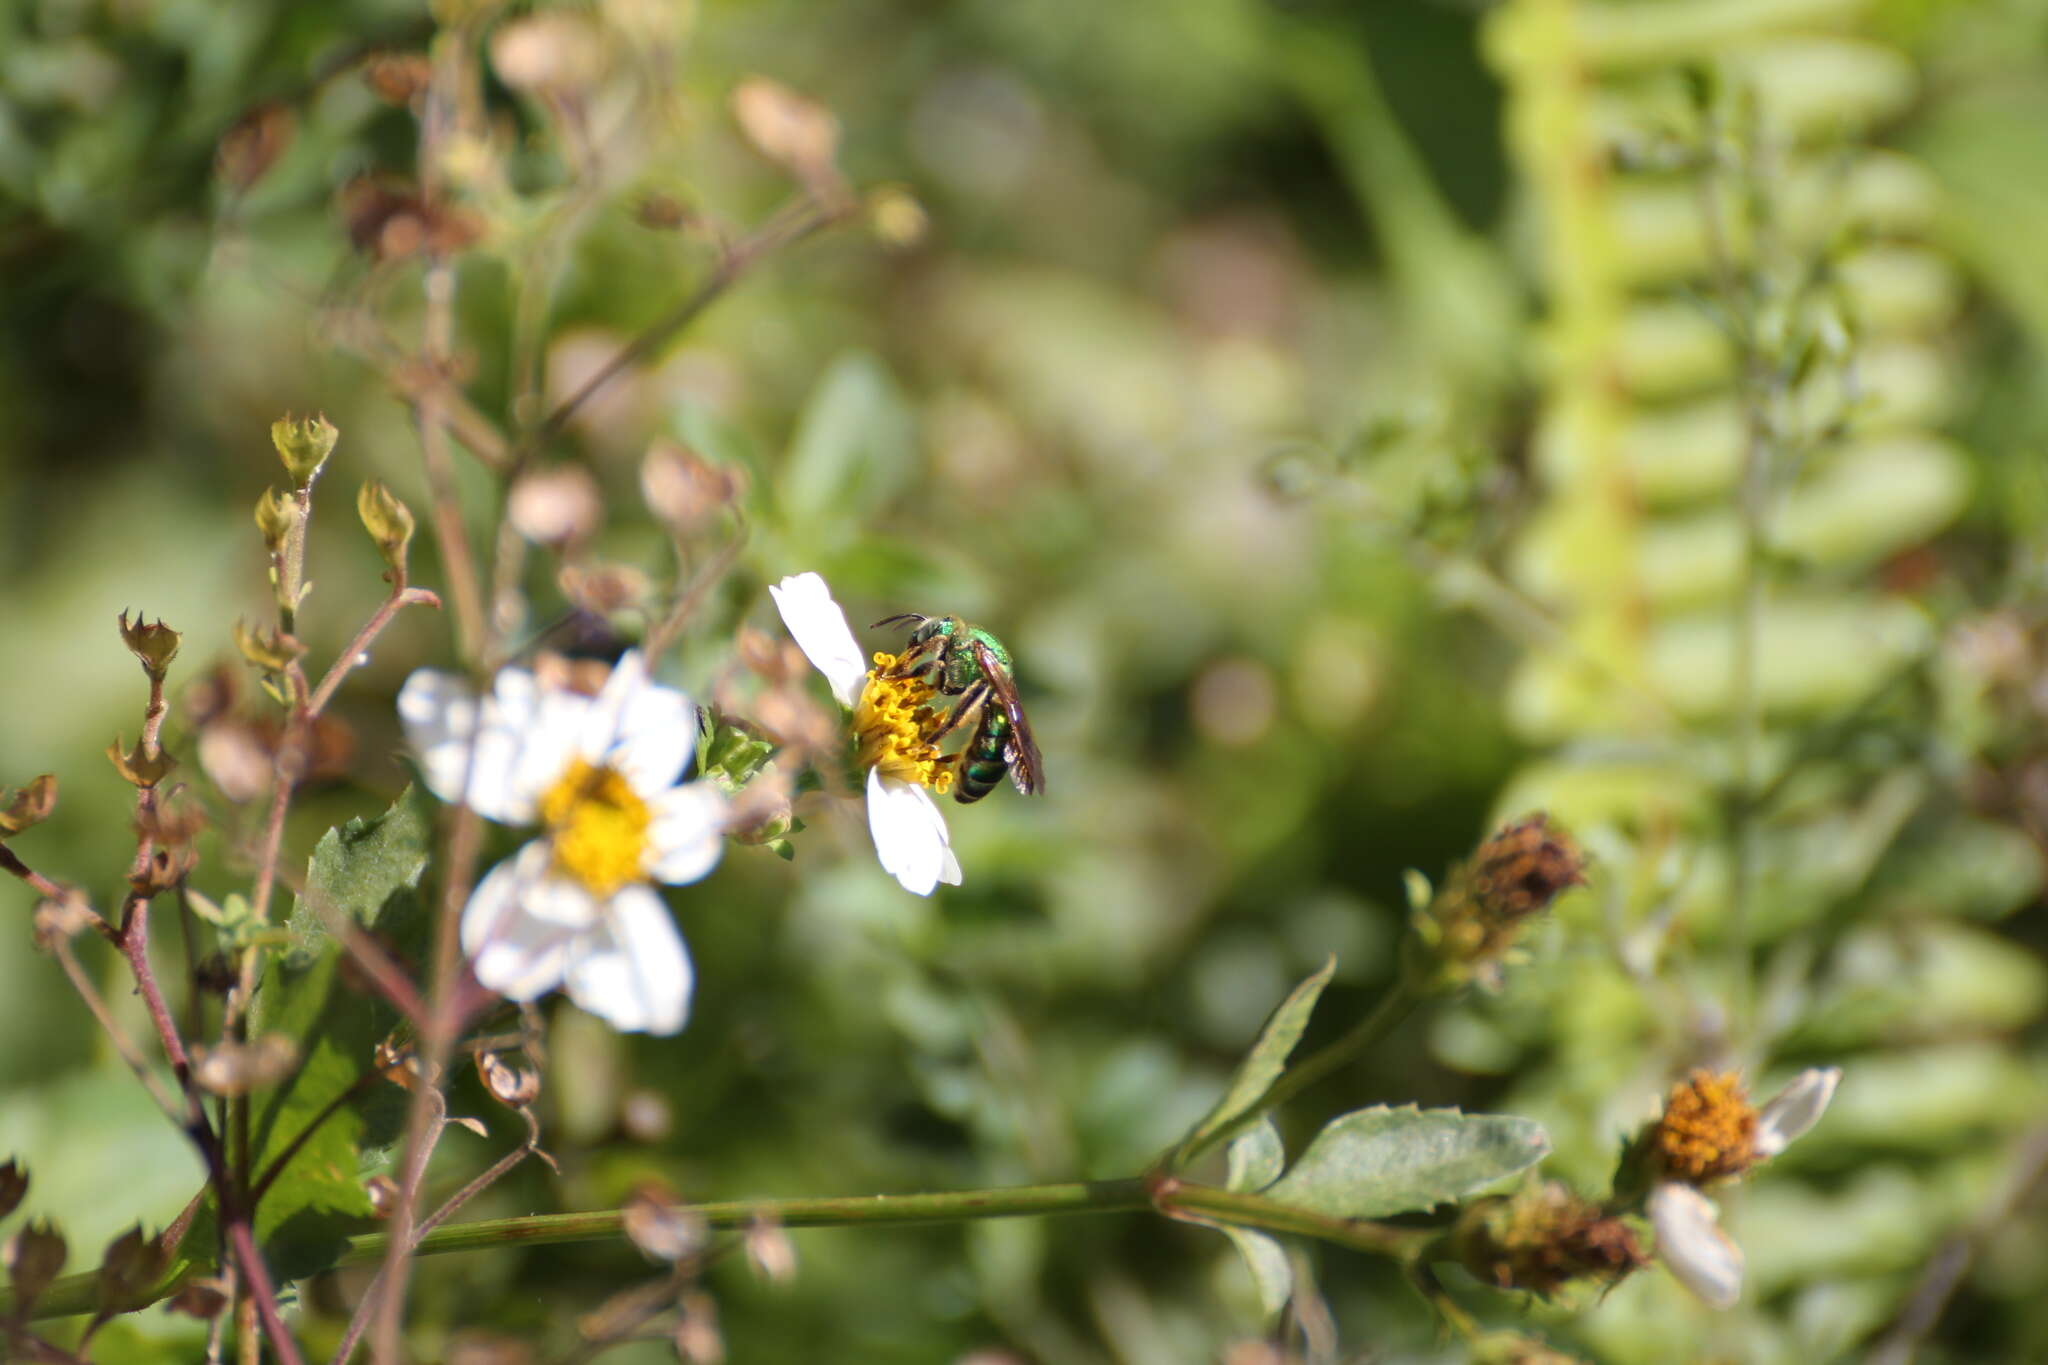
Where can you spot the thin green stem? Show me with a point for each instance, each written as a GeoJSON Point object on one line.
{"type": "Point", "coordinates": [1209, 1204]}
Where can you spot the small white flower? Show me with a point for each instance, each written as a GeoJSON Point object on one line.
{"type": "Point", "coordinates": [1692, 1246]}
{"type": "Point", "coordinates": [601, 774]}
{"type": "Point", "coordinates": [908, 828]}
{"type": "Point", "coordinates": [1793, 1110]}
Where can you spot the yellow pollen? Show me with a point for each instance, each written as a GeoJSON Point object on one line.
{"type": "Point", "coordinates": [597, 824]}
{"type": "Point", "coordinates": [1708, 1131]}
{"type": "Point", "coordinates": [893, 726]}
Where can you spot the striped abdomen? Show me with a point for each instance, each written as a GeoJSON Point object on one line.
{"type": "Point", "coordinates": [986, 758]}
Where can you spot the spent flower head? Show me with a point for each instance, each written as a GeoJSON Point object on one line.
{"type": "Point", "coordinates": [601, 775]}
{"type": "Point", "coordinates": [1471, 923]}
{"type": "Point", "coordinates": [894, 728]}
{"type": "Point", "coordinates": [1544, 1237]}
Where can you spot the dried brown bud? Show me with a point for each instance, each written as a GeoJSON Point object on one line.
{"type": "Point", "coordinates": [1543, 1238]}
{"type": "Point", "coordinates": [163, 870]}
{"type": "Point", "coordinates": [13, 1187]}
{"type": "Point", "coordinates": [661, 1227]}
{"type": "Point", "coordinates": [239, 1068]}
{"type": "Point", "coordinates": [559, 506]}
{"type": "Point", "coordinates": [685, 490]}
{"type": "Point", "coordinates": [133, 1265]}
{"type": "Point", "coordinates": [390, 220]}
{"type": "Point", "coordinates": [389, 523]}
{"type": "Point", "coordinates": [248, 150]}
{"type": "Point", "coordinates": [175, 822]}
{"type": "Point", "coordinates": [33, 1256]}
{"type": "Point", "coordinates": [31, 805]}
{"type": "Point", "coordinates": [397, 78]}
{"type": "Point", "coordinates": [139, 766]}
{"type": "Point", "coordinates": [202, 1299]}
{"type": "Point", "coordinates": [1472, 921]}
{"type": "Point", "coordinates": [513, 1087]}
{"type": "Point", "coordinates": [399, 1061]}
{"type": "Point", "coordinates": [154, 646]}
{"type": "Point", "coordinates": [663, 212]}
{"type": "Point", "coordinates": [303, 443]}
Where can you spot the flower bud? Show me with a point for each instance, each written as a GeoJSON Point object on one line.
{"type": "Point", "coordinates": [31, 805]}
{"type": "Point", "coordinates": [1474, 918]}
{"type": "Point", "coordinates": [154, 646]}
{"type": "Point", "coordinates": [304, 445]}
{"type": "Point", "coordinates": [141, 767]}
{"type": "Point", "coordinates": [13, 1186]}
{"type": "Point", "coordinates": [276, 514]}
{"type": "Point", "coordinates": [33, 1256]}
{"type": "Point", "coordinates": [388, 521]}
{"type": "Point", "coordinates": [247, 151]}
{"type": "Point", "coordinates": [133, 1265]}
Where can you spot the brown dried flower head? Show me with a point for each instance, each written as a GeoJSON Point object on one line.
{"type": "Point", "coordinates": [1544, 1237]}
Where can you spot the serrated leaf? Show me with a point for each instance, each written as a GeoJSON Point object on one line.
{"type": "Point", "coordinates": [1264, 1063]}
{"type": "Point", "coordinates": [367, 872]}
{"type": "Point", "coordinates": [1271, 1274]}
{"type": "Point", "coordinates": [1376, 1162]}
{"type": "Point", "coordinates": [1256, 1158]}
{"type": "Point", "coordinates": [853, 446]}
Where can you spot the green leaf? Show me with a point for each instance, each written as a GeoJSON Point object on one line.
{"type": "Point", "coordinates": [1271, 1274]}
{"type": "Point", "coordinates": [366, 872]}
{"type": "Point", "coordinates": [853, 447]}
{"type": "Point", "coordinates": [1256, 1158]}
{"type": "Point", "coordinates": [1264, 1063]}
{"type": "Point", "coordinates": [1376, 1162]}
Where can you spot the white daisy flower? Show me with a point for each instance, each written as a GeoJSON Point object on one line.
{"type": "Point", "coordinates": [891, 723]}
{"type": "Point", "coordinates": [601, 775]}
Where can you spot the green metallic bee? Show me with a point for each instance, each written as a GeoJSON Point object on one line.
{"type": "Point", "coordinates": [966, 662]}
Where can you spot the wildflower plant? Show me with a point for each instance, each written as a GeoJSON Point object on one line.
{"type": "Point", "coordinates": [444, 920]}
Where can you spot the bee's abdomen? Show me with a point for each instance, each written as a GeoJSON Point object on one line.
{"type": "Point", "coordinates": [984, 762]}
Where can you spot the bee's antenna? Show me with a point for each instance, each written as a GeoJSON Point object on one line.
{"type": "Point", "coordinates": [918, 617]}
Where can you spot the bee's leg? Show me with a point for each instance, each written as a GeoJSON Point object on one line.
{"type": "Point", "coordinates": [966, 709]}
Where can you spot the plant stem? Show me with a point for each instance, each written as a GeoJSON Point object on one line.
{"type": "Point", "coordinates": [1209, 1204]}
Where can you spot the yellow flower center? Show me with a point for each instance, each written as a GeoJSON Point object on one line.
{"type": "Point", "coordinates": [1708, 1130]}
{"type": "Point", "coordinates": [893, 725]}
{"type": "Point", "coordinates": [597, 825]}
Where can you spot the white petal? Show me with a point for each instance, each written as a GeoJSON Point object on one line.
{"type": "Point", "coordinates": [443, 721]}
{"type": "Point", "coordinates": [632, 970]}
{"type": "Point", "coordinates": [688, 834]}
{"type": "Point", "coordinates": [645, 731]}
{"type": "Point", "coordinates": [819, 628]}
{"type": "Point", "coordinates": [910, 834]}
{"type": "Point", "coordinates": [515, 954]}
{"type": "Point", "coordinates": [1793, 1110]}
{"type": "Point", "coordinates": [1697, 1253]}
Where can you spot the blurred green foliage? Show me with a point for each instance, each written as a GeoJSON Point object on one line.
{"type": "Point", "coordinates": [1342, 426]}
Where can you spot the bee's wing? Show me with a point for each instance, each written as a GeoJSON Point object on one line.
{"type": "Point", "coordinates": [1027, 768]}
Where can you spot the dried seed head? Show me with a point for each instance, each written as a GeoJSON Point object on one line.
{"type": "Point", "coordinates": [1470, 923]}
{"type": "Point", "coordinates": [28, 806]}
{"type": "Point", "coordinates": [133, 1265]}
{"type": "Point", "coordinates": [13, 1187]}
{"type": "Point", "coordinates": [141, 766]}
{"type": "Point", "coordinates": [1543, 1238]}
{"type": "Point", "coordinates": [154, 646]}
{"type": "Point", "coordinates": [247, 151]}
{"type": "Point", "coordinates": [33, 1256]}
{"type": "Point", "coordinates": [513, 1087]}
